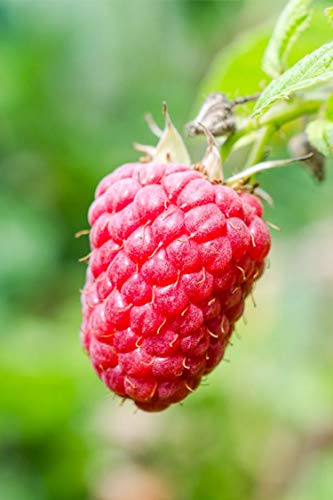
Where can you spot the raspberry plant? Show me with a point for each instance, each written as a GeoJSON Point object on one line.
{"type": "Point", "coordinates": [176, 246]}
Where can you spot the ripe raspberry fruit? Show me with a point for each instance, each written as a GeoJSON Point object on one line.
{"type": "Point", "coordinates": [173, 258]}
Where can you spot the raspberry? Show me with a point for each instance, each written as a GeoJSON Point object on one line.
{"type": "Point", "coordinates": [173, 258]}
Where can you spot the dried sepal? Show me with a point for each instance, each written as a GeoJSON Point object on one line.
{"type": "Point", "coordinates": [300, 145]}
{"type": "Point", "coordinates": [149, 151]}
{"type": "Point", "coordinates": [211, 161]}
{"type": "Point", "coordinates": [155, 129]}
{"type": "Point", "coordinates": [243, 176]}
{"type": "Point", "coordinates": [263, 195]}
{"type": "Point", "coordinates": [170, 148]}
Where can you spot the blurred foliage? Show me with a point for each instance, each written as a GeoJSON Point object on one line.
{"type": "Point", "coordinates": [76, 79]}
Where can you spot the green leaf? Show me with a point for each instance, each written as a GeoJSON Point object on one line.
{"type": "Point", "coordinates": [293, 20]}
{"type": "Point", "coordinates": [329, 14]}
{"type": "Point", "coordinates": [236, 70]}
{"type": "Point", "coordinates": [329, 108]}
{"type": "Point", "coordinates": [320, 134]}
{"type": "Point", "coordinates": [313, 69]}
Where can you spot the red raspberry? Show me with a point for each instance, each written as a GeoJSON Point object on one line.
{"type": "Point", "coordinates": [173, 258]}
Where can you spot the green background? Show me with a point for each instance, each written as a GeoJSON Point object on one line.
{"type": "Point", "coordinates": [76, 78]}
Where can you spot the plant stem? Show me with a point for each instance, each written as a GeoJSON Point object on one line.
{"type": "Point", "coordinates": [289, 112]}
{"type": "Point", "coordinates": [258, 149]}
{"type": "Point", "coordinates": [270, 122]}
